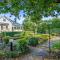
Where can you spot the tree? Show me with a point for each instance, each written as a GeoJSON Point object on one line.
{"type": "Point", "coordinates": [28, 25]}
{"type": "Point", "coordinates": [55, 22]}
{"type": "Point", "coordinates": [34, 8]}
{"type": "Point", "coordinates": [52, 24]}
{"type": "Point", "coordinates": [42, 27]}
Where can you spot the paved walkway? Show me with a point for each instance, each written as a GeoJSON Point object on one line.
{"type": "Point", "coordinates": [37, 53]}
{"type": "Point", "coordinates": [41, 50]}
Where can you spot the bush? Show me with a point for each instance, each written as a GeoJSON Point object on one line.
{"type": "Point", "coordinates": [2, 54]}
{"type": "Point", "coordinates": [17, 35]}
{"type": "Point", "coordinates": [1, 35]}
{"type": "Point", "coordinates": [26, 34]}
{"type": "Point", "coordinates": [33, 41]}
{"type": "Point", "coordinates": [54, 34]}
{"type": "Point", "coordinates": [56, 48]}
{"type": "Point", "coordinates": [6, 39]}
{"type": "Point", "coordinates": [56, 45]}
{"type": "Point", "coordinates": [11, 54]}
{"type": "Point", "coordinates": [42, 36]}
{"type": "Point", "coordinates": [11, 34]}
{"type": "Point", "coordinates": [22, 46]}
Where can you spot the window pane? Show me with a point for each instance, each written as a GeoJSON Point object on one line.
{"type": "Point", "coordinates": [6, 27]}
{"type": "Point", "coordinates": [1, 27]}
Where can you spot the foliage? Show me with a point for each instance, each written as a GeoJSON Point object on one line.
{"type": "Point", "coordinates": [34, 9]}
{"type": "Point", "coordinates": [42, 27]}
{"type": "Point", "coordinates": [1, 35]}
{"type": "Point", "coordinates": [2, 54]}
{"type": "Point", "coordinates": [22, 46]}
{"type": "Point", "coordinates": [11, 34]}
{"type": "Point", "coordinates": [26, 34]}
{"type": "Point", "coordinates": [55, 22]}
{"type": "Point", "coordinates": [56, 45]}
{"type": "Point", "coordinates": [6, 39]}
{"type": "Point", "coordinates": [33, 41]}
{"type": "Point", "coordinates": [11, 54]}
{"type": "Point", "coordinates": [44, 7]}
{"type": "Point", "coordinates": [42, 36]}
{"type": "Point", "coordinates": [54, 34]}
{"type": "Point", "coordinates": [29, 25]}
{"type": "Point", "coordinates": [16, 35]}
{"type": "Point", "coordinates": [46, 25]}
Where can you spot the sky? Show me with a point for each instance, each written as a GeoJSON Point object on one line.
{"type": "Point", "coordinates": [20, 21]}
{"type": "Point", "coordinates": [49, 17]}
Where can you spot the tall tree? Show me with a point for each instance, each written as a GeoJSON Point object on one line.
{"type": "Point", "coordinates": [28, 25]}
{"type": "Point", "coordinates": [35, 8]}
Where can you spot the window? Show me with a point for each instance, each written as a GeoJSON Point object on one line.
{"type": "Point", "coordinates": [14, 27]}
{"type": "Point", "coordinates": [1, 27]}
{"type": "Point", "coordinates": [18, 27]}
{"type": "Point", "coordinates": [6, 27]}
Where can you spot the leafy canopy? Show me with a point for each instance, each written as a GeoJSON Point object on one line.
{"type": "Point", "coordinates": [35, 8]}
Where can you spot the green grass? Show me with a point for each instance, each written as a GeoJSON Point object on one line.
{"type": "Point", "coordinates": [42, 36]}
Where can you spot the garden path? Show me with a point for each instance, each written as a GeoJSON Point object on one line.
{"type": "Point", "coordinates": [41, 50]}
{"type": "Point", "coordinates": [37, 53]}
{"type": "Point", "coordinates": [52, 41]}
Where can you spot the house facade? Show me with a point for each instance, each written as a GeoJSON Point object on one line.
{"type": "Point", "coordinates": [7, 25]}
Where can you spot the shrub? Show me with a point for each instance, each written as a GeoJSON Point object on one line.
{"type": "Point", "coordinates": [17, 35]}
{"type": "Point", "coordinates": [2, 54]}
{"type": "Point", "coordinates": [11, 54]}
{"type": "Point", "coordinates": [33, 41]}
{"type": "Point", "coordinates": [26, 34]}
{"type": "Point", "coordinates": [56, 48]}
{"type": "Point", "coordinates": [54, 34]}
{"type": "Point", "coordinates": [22, 46]}
{"type": "Point", "coordinates": [1, 35]}
{"type": "Point", "coordinates": [56, 45]}
{"type": "Point", "coordinates": [8, 54]}
{"type": "Point", "coordinates": [6, 39]}
{"type": "Point", "coordinates": [42, 36]}
{"type": "Point", "coordinates": [11, 34]}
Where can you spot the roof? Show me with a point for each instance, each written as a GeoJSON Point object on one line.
{"type": "Point", "coordinates": [4, 24]}
{"type": "Point", "coordinates": [13, 22]}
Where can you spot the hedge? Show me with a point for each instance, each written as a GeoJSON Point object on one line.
{"type": "Point", "coordinates": [10, 33]}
